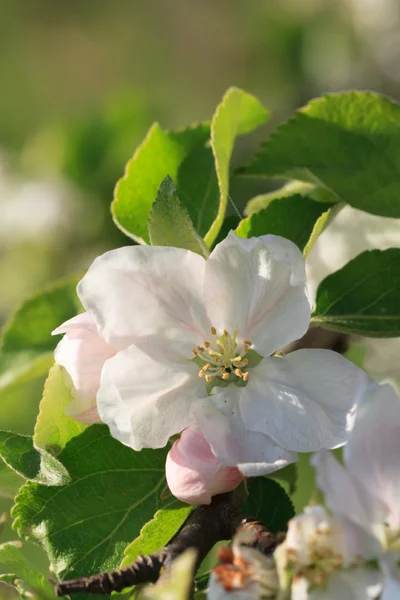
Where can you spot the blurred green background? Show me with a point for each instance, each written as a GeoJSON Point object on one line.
{"type": "Point", "coordinates": [81, 82]}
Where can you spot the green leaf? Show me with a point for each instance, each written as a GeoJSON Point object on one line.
{"type": "Point", "coordinates": [23, 574]}
{"type": "Point", "coordinates": [363, 297]}
{"type": "Point", "coordinates": [348, 143]}
{"type": "Point", "coordinates": [10, 482]}
{"type": "Point", "coordinates": [169, 222]}
{"type": "Point", "coordinates": [19, 453]}
{"type": "Point", "coordinates": [53, 428]}
{"type": "Point", "coordinates": [86, 525]}
{"type": "Point", "coordinates": [160, 154]}
{"type": "Point", "coordinates": [159, 531]}
{"type": "Point", "coordinates": [27, 344]}
{"type": "Point", "coordinates": [287, 477]}
{"type": "Point", "coordinates": [291, 188]}
{"type": "Point", "coordinates": [237, 114]}
{"type": "Point", "coordinates": [268, 502]}
{"type": "Point", "coordinates": [293, 218]}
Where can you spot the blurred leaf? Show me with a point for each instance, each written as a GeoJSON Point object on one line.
{"type": "Point", "coordinates": [291, 188]}
{"type": "Point", "coordinates": [177, 584]}
{"type": "Point", "coordinates": [19, 453]}
{"type": "Point", "coordinates": [169, 222]}
{"type": "Point", "coordinates": [27, 345]}
{"type": "Point", "coordinates": [363, 297]}
{"type": "Point", "coordinates": [86, 525]}
{"type": "Point", "coordinates": [237, 114]}
{"type": "Point", "coordinates": [53, 428]}
{"type": "Point", "coordinates": [287, 475]}
{"type": "Point", "coordinates": [293, 217]}
{"type": "Point", "coordinates": [160, 154]}
{"type": "Point", "coordinates": [268, 502]}
{"type": "Point", "coordinates": [159, 531]}
{"type": "Point", "coordinates": [7, 592]}
{"type": "Point", "coordinates": [22, 574]}
{"type": "Point", "coordinates": [348, 143]}
{"type": "Point", "coordinates": [10, 482]}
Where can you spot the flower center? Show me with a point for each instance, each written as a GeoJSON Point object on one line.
{"type": "Point", "coordinates": [221, 357]}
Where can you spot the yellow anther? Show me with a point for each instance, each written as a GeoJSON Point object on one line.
{"type": "Point", "coordinates": [207, 344]}
{"type": "Point", "coordinates": [213, 331]}
{"type": "Point", "coordinates": [247, 343]}
{"type": "Point", "coordinates": [201, 373]}
{"type": "Point", "coordinates": [236, 360]}
{"type": "Point", "coordinates": [238, 373]}
{"type": "Point", "coordinates": [195, 351]}
{"type": "Point", "coordinates": [226, 334]}
{"type": "Point", "coordinates": [245, 376]}
{"type": "Point", "coordinates": [216, 359]}
{"type": "Point", "coordinates": [200, 348]}
{"type": "Point", "coordinates": [207, 366]}
{"type": "Point", "coordinates": [208, 378]}
{"type": "Point", "coordinates": [225, 375]}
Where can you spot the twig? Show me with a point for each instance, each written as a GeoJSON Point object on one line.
{"type": "Point", "coordinates": [206, 526]}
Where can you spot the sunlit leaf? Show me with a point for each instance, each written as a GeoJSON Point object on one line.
{"type": "Point", "coordinates": [169, 222]}
{"type": "Point", "coordinates": [363, 297]}
{"type": "Point", "coordinates": [348, 143]}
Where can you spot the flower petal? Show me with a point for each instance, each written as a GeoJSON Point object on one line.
{"type": "Point", "coordinates": [82, 352]}
{"type": "Point", "coordinates": [358, 583]}
{"type": "Point", "coordinates": [304, 400]}
{"type": "Point", "coordinates": [194, 473]}
{"type": "Point", "coordinates": [372, 454]}
{"type": "Point", "coordinates": [256, 287]}
{"type": "Point", "coordinates": [391, 570]}
{"type": "Point", "coordinates": [221, 423]}
{"type": "Point", "coordinates": [147, 291]}
{"type": "Point", "coordinates": [347, 502]}
{"type": "Point", "coordinates": [144, 401]}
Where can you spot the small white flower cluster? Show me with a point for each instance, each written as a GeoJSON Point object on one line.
{"type": "Point", "coordinates": [349, 550]}
{"type": "Point", "coordinates": [171, 343]}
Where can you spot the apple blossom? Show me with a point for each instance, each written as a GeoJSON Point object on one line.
{"type": "Point", "coordinates": [365, 493]}
{"type": "Point", "coordinates": [82, 352]}
{"type": "Point", "coordinates": [315, 562]}
{"type": "Point", "coordinates": [193, 341]}
{"type": "Point", "coordinates": [244, 573]}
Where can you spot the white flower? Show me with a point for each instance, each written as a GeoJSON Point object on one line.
{"type": "Point", "coordinates": [194, 340]}
{"type": "Point", "coordinates": [82, 352]}
{"type": "Point", "coordinates": [316, 563]}
{"type": "Point", "coordinates": [365, 494]}
{"type": "Point", "coordinates": [244, 573]}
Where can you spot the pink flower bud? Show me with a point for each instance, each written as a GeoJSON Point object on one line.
{"type": "Point", "coordinates": [194, 474]}
{"type": "Point", "coordinates": [82, 352]}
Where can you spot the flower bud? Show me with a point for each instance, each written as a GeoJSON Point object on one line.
{"type": "Point", "coordinates": [194, 473]}
{"type": "Point", "coordinates": [82, 352]}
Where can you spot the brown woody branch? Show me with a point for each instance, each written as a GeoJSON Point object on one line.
{"type": "Point", "coordinates": [206, 526]}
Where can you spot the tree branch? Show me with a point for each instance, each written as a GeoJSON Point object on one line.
{"type": "Point", "coordinates": [206, 526]}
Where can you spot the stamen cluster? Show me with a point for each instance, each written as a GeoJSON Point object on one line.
{"type": "Point", "coordinates": [222, 358]}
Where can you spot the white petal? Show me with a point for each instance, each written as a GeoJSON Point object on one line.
{"type": "Point", "coordinates": [373, 452]}
{"type": "Point", "coordinates": [81, 321]}
{"type": "Point", "coordinates": [347, 501]}
{"type": "Point", "coordinates": [144, 401]}
{"type": "Point", "coordinates": [220, 421]}
{"type": "Point", "coordinates": [147, 291]}
{"type": "Point", "coordinates": [303, 400]}
{"type": "Point", "coordinates": [349, 584]}
{"type": "Point", "coordinates": [253, 287]}
{"type": "Point", "coordinates": [82, 352]}
{"type": "Point", "coordinates": [390, 566]}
